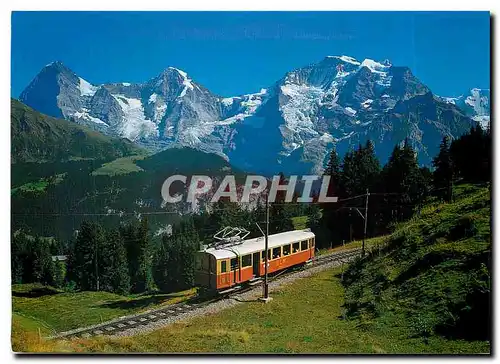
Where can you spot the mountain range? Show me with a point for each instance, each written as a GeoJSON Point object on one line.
{"type": "Point", "coordinates": [40, 138]}
{"type": "Point", "coordinates": [475, 103]}
{"type": "Point", "coordinates": [63, 173]}
{"type": "Point", "coordinates": [290, 126]}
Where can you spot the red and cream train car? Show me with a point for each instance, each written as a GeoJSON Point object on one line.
{"type": "Point", "coordinates": [230, 265]}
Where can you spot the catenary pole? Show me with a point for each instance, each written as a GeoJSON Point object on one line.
{"type": "Point", "coordinates": [96, 266]}
{"type": "Point", "coordinates": [266, 286]}
{"type": "Point", "coordinates": [366, 222]}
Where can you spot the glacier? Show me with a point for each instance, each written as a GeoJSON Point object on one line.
{"type": "Point", "coordinates": [290, 125]}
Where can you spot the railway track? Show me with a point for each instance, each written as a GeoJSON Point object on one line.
{"type": "Point", "coordinates": [124, 323]}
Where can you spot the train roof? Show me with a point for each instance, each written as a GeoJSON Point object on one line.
{"type": "Point", "coordinates": [258, 244]}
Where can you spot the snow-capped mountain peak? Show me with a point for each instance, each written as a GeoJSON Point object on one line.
{"type": "Point", "coordinates": [375, 66]}
{"type": "Point", "coordinates": [475, 103]}
{"type": "Point", "coordinates": [188, 85]}
{"type": "Point", "coordinates": [86, 89]}
{"type": "Point", "coordinates": [290, 125]}
{"type": "Point", "coordinates": [347, 59]}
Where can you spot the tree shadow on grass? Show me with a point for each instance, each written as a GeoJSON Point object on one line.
{"type": "Point", "coordinates": [243, 300]}
{"type": "Point", "coordinates": [36, 292]}
{"type": "Point", "coordinates": [142, 302]}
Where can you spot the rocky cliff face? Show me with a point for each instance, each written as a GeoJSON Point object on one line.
{"type": "Point", "coordinates": [475, 103]}
{"type": "Point", "coordinates": [290, 126]}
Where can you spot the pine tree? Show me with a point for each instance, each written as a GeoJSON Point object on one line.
{"type": "Point", "coordinates": [314, 218]}
{"type": "Point", "coordinates": [402, 177]}
{"type": "Point", "coordinates": [333, 164]}
{"type": "Point", "coordinates": [226, 213]}
{"type": "Point", "coordinates": [43, 267]}
{"type": "Point", "coordinates": [333, 170]}
{"type": "Point", "coordinates": [146, 255]}
{"type": "Point", "coordinates": [161, 261]}
{"type": "Point", "coordinates": [59, 273]}
{"type": "Point", "coordinates": [471, 155]}
{"type": "Point", "coordinates": [137, 245]}
{"type": "Point", "coordinates": [113, 267]}
{"type": "Point", "coordinates": [19, 267]}
{"type": "Point", "coordinates": [323, 228]}
{"type": "Point", "coordinates": [279, 215]}
{"type": "Point", "coordinates": [443, 173]}
{"type": "Point", "coordinates": [31, 259]}
{"type": "Point", "coordinates": [360, 170]}
{"type": "Point", "coordinates": [370, 167]}
{"type": "Point", "coordinates": [174, 263]}
{"type": "Point", "coordinates": [85, 256]}
{"type": "Point", "coordinates": [350, 173]}
{"type": "Point", "coordinates": [257, 216]}
{"type": "Point", "coordinates": [189, 245]}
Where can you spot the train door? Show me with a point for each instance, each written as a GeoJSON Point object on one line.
{"type": "Point", "coordinates": [234, 269]}
{"type": "Point", "coordinates": [210, 271]}
{"type": "Point", "coordinates": [256, 264]}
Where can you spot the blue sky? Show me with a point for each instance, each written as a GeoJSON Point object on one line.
{"type": "Point", "coordinates": [235, 53]}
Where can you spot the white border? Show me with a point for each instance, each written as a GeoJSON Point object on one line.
{"type": "Point", "coordinates": [8, 6]}
{"type": "Point", "coordinates": [423, 5]}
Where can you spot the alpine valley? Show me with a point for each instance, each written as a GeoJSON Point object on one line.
{"type": "Point", "coordinates": [290, 126]}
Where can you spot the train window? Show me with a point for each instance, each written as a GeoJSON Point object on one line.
{"type": "Point", "coordinates": [276, 253]}
{"type": "Point", "coordinates": [295, 247]}
{"type": "Point", "coordinates": [246, 260]}
{"type": "Point", "coordinates": [304, 245]}
{"type": "Point", "coordinates": [268, 255]}
{"type": "Point", "coordinates": [199, 262]}
{"type": "Point", "coordinates": [223, 266]}
{"type": "Point", "coordinates": [234, 263]}
{"type": "Point", "coordinates": [312, 242]}
{"type": "Point", "coordinates": [286, 249]}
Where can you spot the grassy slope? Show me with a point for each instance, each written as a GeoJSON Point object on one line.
{"type": "Point", "coordinates": [65, 311]}
{"type": "Point", "coordinates": [433, 276]}
{"type": "Point", "coordinates": [119, 166]}
{"type": "Point", "coordinates": [371, 243]}
{"type": "Point", "coordinates": [304, 317]}
{"type": "Point", "coordinates": [40, 138]}
{"type": "Point", "coordinates": [39, 186]}
{"type": "Point", "coordinates": [308, 315]}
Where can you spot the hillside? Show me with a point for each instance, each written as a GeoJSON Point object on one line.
{"type": "Point", "coordinates": [40, 138]}
{"type": "Point", "coordinates": [306, 316]}
{"type": "Point", "coordinates": [57, 311]}
{"type": "Point", "coordinates": [433, 277]}
{"type": "Point", "coordinates": [68, 172]}
{"type": "Point", "coordinates": [66, 193]}
{"type": "Point", "coordinates": [423, 289]}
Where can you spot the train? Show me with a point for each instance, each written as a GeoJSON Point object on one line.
{"type": "Point", "coordinates": [229, 265]}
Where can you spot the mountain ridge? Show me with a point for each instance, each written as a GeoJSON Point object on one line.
{"type": "Point", "coordinates": [40, 138]}
{"type": "Point", "coordinates": [290, 125]}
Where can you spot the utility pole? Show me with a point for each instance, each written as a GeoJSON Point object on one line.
{"type": "Point", "coordinates": [96, 267]}
{"type": "Point", "coordinates": [265, 297]}
{"type": "Point", "coordinates": [266, 260]}
{"type": "Point", "coordinates": [366, 222]}
{"type": "Point", "coordinates": [450, 189]}
{"type": "Point", "coordinates": [350, 226]}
